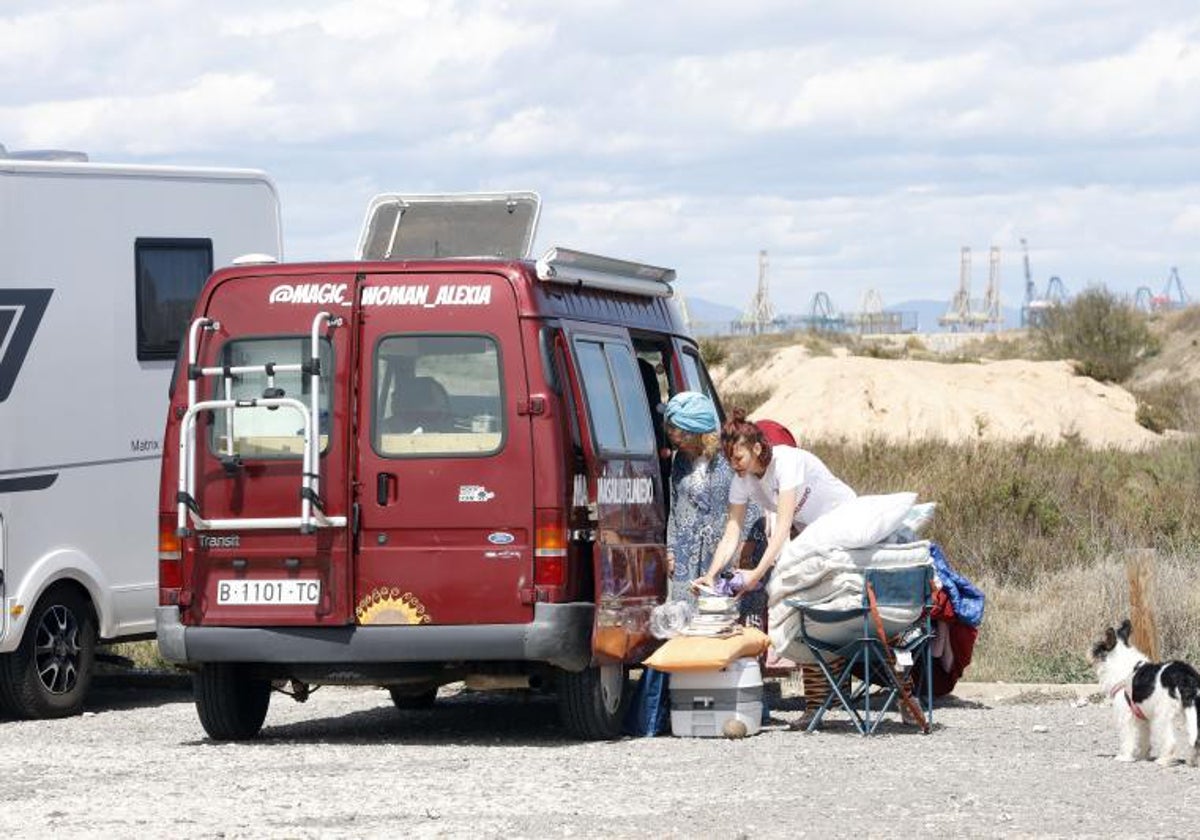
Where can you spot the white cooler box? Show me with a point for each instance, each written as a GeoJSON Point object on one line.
{"type": "Point", "coordinates": [702, 701]}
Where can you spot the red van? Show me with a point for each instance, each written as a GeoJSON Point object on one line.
{"type": "Point", "coordinates": [416, 468]}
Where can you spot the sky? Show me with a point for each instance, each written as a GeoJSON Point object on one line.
{"type": "Point", "coordinates": [862, 145]}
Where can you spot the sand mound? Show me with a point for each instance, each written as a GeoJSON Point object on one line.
{"type": "Point", "coordinates": [852, 399]}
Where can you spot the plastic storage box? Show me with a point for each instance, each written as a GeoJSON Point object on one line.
{"type": "Point", "coordinates": [702, 701]}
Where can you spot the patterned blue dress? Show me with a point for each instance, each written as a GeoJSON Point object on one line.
{"type": "Point", "coordinates": [699, 502]}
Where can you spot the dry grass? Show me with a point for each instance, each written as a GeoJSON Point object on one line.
{"type": "Point", "coordinates": [1168, 405]}
{"type": "Point", "coordinates": [1018, 512]}
{"type": "Point", "coordinates": [1043, 531]}
{"type": "Point", "coordinates": [738, 352]}
{"type": "Point", "coordinates": [1042, 632]}
{"type": "Point", "coordinates": [144, 655]}
{"type": "Point", "coordinates": [747, 400]}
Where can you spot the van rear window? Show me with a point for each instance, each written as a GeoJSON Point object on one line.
{"type": "Point", "coordinates": [438, 395]}
{"type": "Point", "coordinates": [260, 432]}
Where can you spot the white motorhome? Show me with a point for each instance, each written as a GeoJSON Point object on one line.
{"type": "Point", "coordinates": [99, 267]}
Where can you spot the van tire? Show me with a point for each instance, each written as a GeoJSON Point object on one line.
{"type": "Point", "coordinates": [49, 673]}
{"type": "Point", "coordinates": [232, 705]}
{"type": "Point", "coordinates": [408, 701]}
{"type": "Point", "coordinates": [592, 702]}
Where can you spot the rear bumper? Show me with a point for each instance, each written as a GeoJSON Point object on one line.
{"type": "Point", "coordinates": [560, 634]}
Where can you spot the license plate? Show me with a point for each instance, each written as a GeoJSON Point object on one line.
{"type": "Point", "coordinates": [283, 592]}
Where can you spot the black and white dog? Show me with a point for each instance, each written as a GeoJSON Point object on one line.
{"type": "Point", "coordinates": [1156, 704]}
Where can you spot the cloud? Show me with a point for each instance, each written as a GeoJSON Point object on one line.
{"type": "Point", "coordinates": [151, 124]}
{"type": "Point", "coordinates": [861, 144]}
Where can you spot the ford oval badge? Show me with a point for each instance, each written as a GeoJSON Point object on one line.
{"type": "Point", "coordinates": [500, 538]}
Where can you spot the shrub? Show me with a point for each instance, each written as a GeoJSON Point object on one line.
{"type": "Point", "coordinates": [877, 350]}
{"type": "Point", "coordinates": [1170, 405]}
{"type": "Point", "coordinates": [1103, 335]}
{"type": "Point", "coordinates": [713, 351]}
{"type": "Point", "coordinates": [994, 347]}
{"type": "Point", "coordinates": [748, 400]}
{"type": "Point", "coordinates": [913, 344]}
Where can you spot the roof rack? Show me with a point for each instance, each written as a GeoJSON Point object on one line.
{"type": "Point", "coordinates": [43, 154]}
{"type": "Point", "coordinates": [577, 268]}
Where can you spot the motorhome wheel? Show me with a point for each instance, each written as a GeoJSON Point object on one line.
{"type": "Point", "coordinates": [48, 675]}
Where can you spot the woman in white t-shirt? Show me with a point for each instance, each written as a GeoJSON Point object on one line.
{"type": "Point", "coordinates": [793, 486]}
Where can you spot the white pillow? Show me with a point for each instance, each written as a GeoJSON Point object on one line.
{"type": "Point", "coordinates": [919, 516]}
{"type": "Point", "coordinates": [857, 522]}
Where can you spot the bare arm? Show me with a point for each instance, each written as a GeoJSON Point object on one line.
{"type": "Point", "coordinates": [780, 534]}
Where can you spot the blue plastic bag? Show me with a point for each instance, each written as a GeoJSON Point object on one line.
{"type": "Point", "coordinates": [650, 712]}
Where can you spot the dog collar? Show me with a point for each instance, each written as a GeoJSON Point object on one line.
{"type": "Point", "coordinates": [1126, 688]}
{"type": "Point", "coordinates": [1134, 707]}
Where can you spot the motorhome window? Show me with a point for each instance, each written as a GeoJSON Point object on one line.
{"type": "Point", "coordinates": [262, 432]}
{"type": "Point", "coordinates": [169, 274]}
{"type": "Point", "coordinates": [438, 395]}
{"type": "Point", "coordinates": [616, 399]}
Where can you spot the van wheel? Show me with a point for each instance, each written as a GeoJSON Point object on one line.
{"type": "Point", "coordinates": [592, 702]}
{"type": "Point", "coordinates": [49, 673]}
{"type": "Point", "coordinates": [407, 700]}
{"type": "Point", "coordinates": [232, 705]}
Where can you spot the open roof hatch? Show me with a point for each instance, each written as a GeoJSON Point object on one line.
{"type": "Point", "coordinates": [406, 227]}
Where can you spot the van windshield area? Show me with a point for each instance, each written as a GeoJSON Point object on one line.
{"type": "Point", "coordinates": [437, 395]}
{"type": "Point", "coordinates": [261, 432]}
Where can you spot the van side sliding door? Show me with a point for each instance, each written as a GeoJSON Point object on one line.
{"type": "Point", "coordinates": [624, 489]}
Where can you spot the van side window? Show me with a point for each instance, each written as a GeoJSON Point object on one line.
{"type": "Point", "coordinates": [262, 432]}
{"type": "Point", "coordinates": [616, 398]}
{"type": "Point", "coordinates": [697, 375]}
{"type": "Point", "coordinates": [169, 274]}
{"type": "Point", "coordinates": [437, 395]}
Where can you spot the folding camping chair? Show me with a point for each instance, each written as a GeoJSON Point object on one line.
{"type": "Point", "coordinates": [856, 652]}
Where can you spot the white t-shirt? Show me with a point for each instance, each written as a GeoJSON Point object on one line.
{"type": "Point", "coordinates": [818, 491]}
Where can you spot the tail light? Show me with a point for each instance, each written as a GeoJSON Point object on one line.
{"type": "Point", "coordinates": [550, 547]}
{"type": "Point", "coordinates": [170, 562]}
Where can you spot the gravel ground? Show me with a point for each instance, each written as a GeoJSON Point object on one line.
{"type": "Point", "coordinates": [347, 764]}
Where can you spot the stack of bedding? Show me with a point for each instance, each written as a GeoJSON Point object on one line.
{"type": "Point", "coordinates": [823, 567]}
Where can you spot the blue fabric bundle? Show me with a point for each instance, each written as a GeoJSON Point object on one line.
{"type": "Point", "coordinates": [965, 597]}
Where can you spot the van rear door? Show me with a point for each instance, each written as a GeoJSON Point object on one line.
{"type": "Point", "coordinates": [445, 462]}
{"type": "Point", "coordinates": [249, 462]}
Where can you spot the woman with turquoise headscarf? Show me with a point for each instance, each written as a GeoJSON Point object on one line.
{"type": "Point", "coordinates": [699, 487]}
